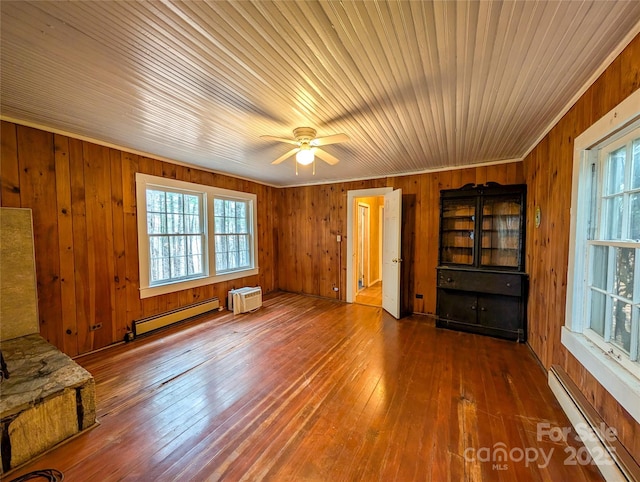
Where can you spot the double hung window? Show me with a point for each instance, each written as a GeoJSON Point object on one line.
{"type": "Point", "coordinates": [613, 248]}
{"type": "Point", "coordinates": [602, 328]}
{"type": "Point", "coordinates": [190, 235]}
{"type": "Point", "coordinates": [176, 232]}
{"type": "Point", "coordinates": [232, 236]}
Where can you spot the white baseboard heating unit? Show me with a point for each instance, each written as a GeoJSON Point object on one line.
{"type": "Point", "coordinates": [601, 441]}
{"type": "Point", "coordinates": [151, 323]}
{"type": "Point", "coordinates": [243, 300]}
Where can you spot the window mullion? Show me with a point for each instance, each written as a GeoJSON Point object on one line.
{"type": "Point", "coordinates": [628, 164]}
{"type": "Point", "coordinates": [608, 313]}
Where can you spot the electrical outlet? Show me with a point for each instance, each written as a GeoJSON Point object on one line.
{"type": "Point", "coordinates": [95, 327]}
{"type": "Point", "coordinates": [338, 239]}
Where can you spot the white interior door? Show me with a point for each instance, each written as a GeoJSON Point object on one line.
{"type": "Point", "coordinates": [391, 260]}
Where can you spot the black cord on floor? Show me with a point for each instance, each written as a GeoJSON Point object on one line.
{"type": "Point", "coordinates": [51, 475]}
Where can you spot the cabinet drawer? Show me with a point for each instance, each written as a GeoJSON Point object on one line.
{"type": "Point", "coordinates": [509, 284]}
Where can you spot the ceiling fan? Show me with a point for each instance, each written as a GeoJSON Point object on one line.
{"type": "Point", "coordinates": [307, 147]}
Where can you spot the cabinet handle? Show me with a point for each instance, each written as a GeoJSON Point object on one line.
{"type": "Point", "coordinates": [483, 309]}
{"type": "Point", "coordinates": [449, 280]}
{"type": "Point", "coordinates": [508, 285]}
{"type": "Point", "coordinates": [473, 307]}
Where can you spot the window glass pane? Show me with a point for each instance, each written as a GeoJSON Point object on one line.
{"type": "Point", "coordinates": [219, 224]}
{"type": "Point", "coordinates": [174, 202]}
{"type": "Point", "coordinates": [615, 171]}
{"type": "Point", "coordinates": [621, 328]}
{"type": "Point", "coordinates": [613, 228]}
{"type": "Point", "coordinates": [244, 258]}
{"type": "Point", "coordinates": [598, 307]}
{"type": "Point", "coordinates": [178, 246]}
{"type": "Point", "coordinates": [191, 224]}
{"type": "Point", "coordinates": [634, 216]}
{"type": "Point", "coordinates": [155, 201]}
{"type": "Point", "coordinates": [232, 243]}
{"type": "Point", "coordinates": [599, 263]}
{"type": "Point", "coordinates": [175, 224]}
{"type": "Point", "coordinates": [194, 264]}
{"type": "Point", "coordinates": [221, 261]}
{"type": "Point", "coordinates": [230, 208]}
{"type": "Point", "coordinates": [156, 223]}
{"type": "Point", "coordinates": [243, 243]}
{"type": "Point", "coordinates": [635, 176]}
{"type": "Point", "coordinates": [178, 267]}
{"type": "Point", "coordinates": [194, 244]}
{"type": "Point", "coordinates": [159, 270]}
{"type": "Point", "coordinates": [623, 280]}
{"type": "Point", "coordinates": [233, 260]}
{"type": "Point", "coordinates": [159, 247]}
{"type": "Point", "coordinates": [229, 225]}
{"type": "Point", "coordinates": [220, 244]}
{"type": "Point", "coordinates": [191, 204]}
{"type": "Point", "coordinates": [241, 225]}
{"type": "Point", "coordinates": [218, 207]}
{"type": "Point", "coordinates": [241, 209]}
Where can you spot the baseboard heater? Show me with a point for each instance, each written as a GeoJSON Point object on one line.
{"type": "Point", "coordinates": [611, 457]}
{"type": "Point", "coordinates": [244, 300]}
{"type": "Point", "coordinates": [145, 325]}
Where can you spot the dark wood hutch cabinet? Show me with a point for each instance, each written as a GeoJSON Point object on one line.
{"type": "Point", "coordinates": [481, 285]}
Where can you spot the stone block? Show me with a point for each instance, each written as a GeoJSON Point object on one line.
{"type": "Point", "coordinates": [38, 429]}
{"type": "Point", "coordinates": [46, 399]}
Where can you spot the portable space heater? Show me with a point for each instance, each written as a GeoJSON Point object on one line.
{"type": "Point", "coordinates": [243, 300]}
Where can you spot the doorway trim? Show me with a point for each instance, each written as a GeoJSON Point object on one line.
{"type": "Point", "coordinates": [364, 244]}
{"type": "Point", "coordinates": [351, 212]}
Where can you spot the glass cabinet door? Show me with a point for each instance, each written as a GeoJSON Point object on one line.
{"type": "Point", "coordinates": [501, 241]}
{"type": "Point", "coordinates": [457, 231]}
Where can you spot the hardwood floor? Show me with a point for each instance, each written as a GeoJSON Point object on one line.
{"type": "Point", "coordinates": [371, 295]}
{"type": "Point", "coordinates": [311, 389]}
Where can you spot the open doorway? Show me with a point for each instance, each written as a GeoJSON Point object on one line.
{"type": "Point", "coordinates": [367, 247]}
{"type": "Point", "coordinates": [390, 244]}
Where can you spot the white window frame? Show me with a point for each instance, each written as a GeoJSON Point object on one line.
{"type": "Point", "coordinates": [248, 235]}
{"type": "Point", "coordinates": [202, 234]}
{"type": "Point", "coordinates": [209, 194]}
{"type": "Point", "coordinates": [619, 377]}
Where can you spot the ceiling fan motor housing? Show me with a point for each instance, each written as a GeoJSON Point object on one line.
{"type": "Point", "coordinates": [304, 134]}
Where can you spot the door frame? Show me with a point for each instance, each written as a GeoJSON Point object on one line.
{"type": "Point", "coordinates": [352, 207]}
{"type": "Point", "coordinates": [364, 241]}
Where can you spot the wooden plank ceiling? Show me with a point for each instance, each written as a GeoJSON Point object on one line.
{"type": "Point", "coordinates": [416, 85]}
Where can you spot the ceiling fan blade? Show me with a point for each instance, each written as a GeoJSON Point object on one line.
{"type": "Point", "coordinates": [334, 139]}
{"type": "Point", "coordinates": [280, 139]}
{"type": "Point", "coordinates": [284, 156]}
{"type": "Point", "coordinates": [325, 156]}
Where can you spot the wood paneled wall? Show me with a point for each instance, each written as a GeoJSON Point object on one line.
{"type": "Point", "coordinates": [548, 171]}
{"type": "Point", "coordinates": [311, 261]}
{"type": "Point", "coordinates": [85, 229]}
{"type": "Point", "coordinates": [83, 201]}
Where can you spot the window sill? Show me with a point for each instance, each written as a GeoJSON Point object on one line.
{"type": "Point", "coordinates": [619, 382]}
{"type": "Point", "coordinates": [149, 291]}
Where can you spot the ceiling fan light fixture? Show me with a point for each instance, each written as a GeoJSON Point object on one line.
{"type": "Point", "coordinates": [305, 155]}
